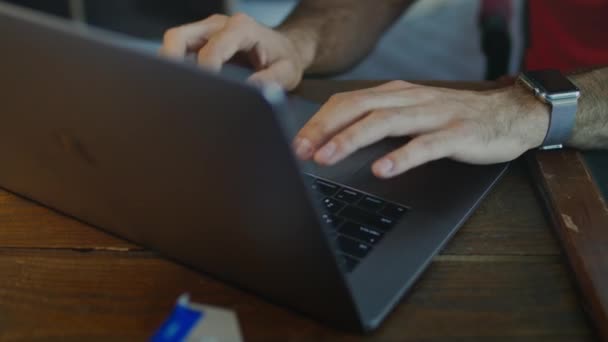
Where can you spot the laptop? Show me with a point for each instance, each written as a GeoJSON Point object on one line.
{"type": "Point", "coordinates": [198, 167]}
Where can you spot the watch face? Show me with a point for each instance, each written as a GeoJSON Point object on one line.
{"type": "Point", "coordinates": [551, 82]}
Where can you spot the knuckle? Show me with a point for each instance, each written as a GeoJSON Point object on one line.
{"type": "Point", "coordinates": [429, 94]}
{"type": "Point", "coordinates": [240, 19]}
{"type": "Point", "coordinates": [171, 34]}
{"type": "Point", "coordinates": [425, 144]}
{"type": "Point", "coordinates": [401, 160]}
{"type": "Point", "coordinates": [385, 119]}
{"type": "Point", "coordinates": [337, 98]}
{"type": "Point", "coordinates": [398, 83]}
{"type": "Point", "coordinates": [400, 157]}
{"type": "Point", "coordinates": [216, 17]}
{"type": "Point", "coordinates": [347, 98]}
{"type": "Point", "coordinates": [289, 69]}
{"type": "Point", "coordinates": [423, 93]}
{"type": "Point", "coordinates": [356, 99]}
{"type": "Point", "coordinates": [345, 142]}
{"type": "Point", "coordinates": [382, 115]}
{"type": "Point", "coordinates": [316, 127]}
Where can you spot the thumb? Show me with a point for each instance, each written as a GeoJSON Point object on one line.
{"type": "Point", "coordinates": [282, 72]}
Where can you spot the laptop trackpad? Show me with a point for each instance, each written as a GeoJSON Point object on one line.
{"type": "Point", "coordinates": [344, 172]}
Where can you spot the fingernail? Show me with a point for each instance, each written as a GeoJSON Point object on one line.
{"type": "Point", "coordinates": [303, 148]}
{"type": "Point", "coordinates": [385, 167]}
{"type": "Point", "coordinates": [327, 152]}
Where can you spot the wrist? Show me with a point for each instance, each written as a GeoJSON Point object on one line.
{"type": "Point", "coordinates": [304, 42]}
{"type": "Point", "coordinates": [531, 115]}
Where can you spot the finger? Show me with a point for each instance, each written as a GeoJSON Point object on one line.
{"type": "Point", "coordinates": [178, 41]}
{"type": "Point", "coordinates": [419, 151]}
{"type": "Point", "coordinates": [344, 109]}
{"type": "Point", "coordinates": [395, 85]}
{"type": "Point", "coordinates": [281, 72]}
{"type": "Point", "coordinates": [376, 126]}
{"type": "Point", "coordinates": [237, 35]}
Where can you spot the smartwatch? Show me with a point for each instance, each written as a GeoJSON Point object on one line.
{"type": "Point", "coordinates": [556, 90]}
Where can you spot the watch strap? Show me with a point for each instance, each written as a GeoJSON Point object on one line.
{"type": "Point", "coordinates": [561, 123]}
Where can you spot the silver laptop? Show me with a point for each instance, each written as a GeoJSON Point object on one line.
{"type": "Point", "coordinates": [198, 166]}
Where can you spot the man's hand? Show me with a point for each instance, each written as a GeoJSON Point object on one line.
{"type": "Point", "coordinates": [468, 126]}
{"type": "Point", "coordinates": [219, 38]}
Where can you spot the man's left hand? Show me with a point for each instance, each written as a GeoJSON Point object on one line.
{"type": "Point", "coordinates": [469, 126]}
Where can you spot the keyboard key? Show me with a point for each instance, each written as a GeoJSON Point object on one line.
{"type": "Point", "coordinates": [332, 205]}
{"type": "Point", "coordinates": [368, 235]}
{"type": "Point", "coordinates": [371, 203]}
{"type": "Point", "coordinates": [366, 218]}
{"type": "Point", "coordinates": [394, 211]}
{"type": "Point", "coordinates": [349, 263]}
{"type": "Point", "coordinates": [317, 194]}
{"type": "Point", "coordinates": [332, 220]}
{"type": "Point", "coordinates": [325, 188]}
{"type": "Point", "coordinates": [352, 247]}
{"type": "Point", "coordinates": [332, 234]}
{"type": "Point", "coordinates": [348, 196]}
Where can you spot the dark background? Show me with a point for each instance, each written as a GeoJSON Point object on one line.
{"type": "Point", "coordinates": [141, 18]}
{"type": "Point", "coordinates": [149, 19]}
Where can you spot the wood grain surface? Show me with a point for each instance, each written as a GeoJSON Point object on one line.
{"type": "Point", "coordinates": [502, 278]}
{"type": "Point", "coordinates": [580, 218]}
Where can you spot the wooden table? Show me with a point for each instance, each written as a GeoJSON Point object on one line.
{"type": "Point", "coordinates": [503, 277]}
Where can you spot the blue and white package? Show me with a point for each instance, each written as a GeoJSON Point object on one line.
{"type": "Point", "coordinates": [201, 323]}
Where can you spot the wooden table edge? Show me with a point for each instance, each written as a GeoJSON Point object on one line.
{"type": "Point", "coordinates": [560, 174]}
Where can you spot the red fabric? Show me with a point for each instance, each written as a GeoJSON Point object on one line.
{"type": "Point", "coordinates": [567, 34]}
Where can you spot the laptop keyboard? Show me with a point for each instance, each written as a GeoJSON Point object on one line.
{"type": "Point", "coordinates": [357, 221]}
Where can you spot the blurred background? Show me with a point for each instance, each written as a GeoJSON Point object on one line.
{"type": "Point", "coordinates": [436, 39]}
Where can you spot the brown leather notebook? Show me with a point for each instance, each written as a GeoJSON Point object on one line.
{"type": "Point", "coordinates": [573, 186]}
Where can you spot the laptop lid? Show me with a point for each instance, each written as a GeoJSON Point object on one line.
{"type": "Point", "coordinates": [163, 154]}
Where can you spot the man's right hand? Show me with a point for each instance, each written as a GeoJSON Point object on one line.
{"type": "Point", "coordinates": [219, 38]}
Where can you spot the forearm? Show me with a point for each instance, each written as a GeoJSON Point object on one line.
{"type": "Point", "coordinates": [591, 129]}
{"type": "Point", "coordinates": [333, 35]}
